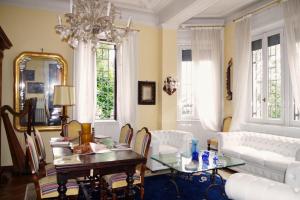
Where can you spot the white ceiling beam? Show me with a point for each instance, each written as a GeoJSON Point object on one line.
{"type": "Point", "coordinates": [181, 11]}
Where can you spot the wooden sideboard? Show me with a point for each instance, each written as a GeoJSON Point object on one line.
{"type": "Point", "coordinates": [4, 44]}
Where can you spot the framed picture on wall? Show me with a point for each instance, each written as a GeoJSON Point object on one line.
{"type": "Point", "coordinates": [29, 75]}
{"type": "Point", "coordinates": [146, 92]}
{"type": "Point", "coordinates": [35, 87]}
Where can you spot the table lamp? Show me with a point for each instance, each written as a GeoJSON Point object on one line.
{"type": "Point", "coordinates": [64, 96]}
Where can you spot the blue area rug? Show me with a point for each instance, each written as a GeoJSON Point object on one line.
{"type": "Point", "coordinates": [159, 188]}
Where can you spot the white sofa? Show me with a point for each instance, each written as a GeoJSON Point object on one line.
{"type": "Point", "coordinates": [265, 155]}
{"type": "Point", "coordinates": [166, 141]}
{"type": "Point", "coordinates": [242, 186]}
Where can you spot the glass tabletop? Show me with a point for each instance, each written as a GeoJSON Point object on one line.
{"type": "Point", "coordinates": [183, 163]}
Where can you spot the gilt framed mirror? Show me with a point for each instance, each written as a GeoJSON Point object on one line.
{"type": "Point", "coordinates": [35, 75]}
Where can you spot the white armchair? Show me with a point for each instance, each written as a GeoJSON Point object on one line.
{"type": "Point", "coordinates": [167, 141]}
{"type": "Point", "coordinates": [241, 186]}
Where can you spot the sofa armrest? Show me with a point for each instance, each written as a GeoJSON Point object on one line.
{"type": "Point", "coordinates": [154, 146]}
{"type": "Point", "coordinates": [292, 174]}
{"type": "Point", "coordinates": [225, 139]}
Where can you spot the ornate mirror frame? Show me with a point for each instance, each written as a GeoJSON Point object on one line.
{"type": "Point", "coordinates": [22, 59]}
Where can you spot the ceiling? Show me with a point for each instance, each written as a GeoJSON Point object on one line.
{"type": "Point", "coordinates": [172, 12]}
{"type": "Point", "coordinates": [223, 8]}
{"type": "Point", "coordinates": [152, 6]}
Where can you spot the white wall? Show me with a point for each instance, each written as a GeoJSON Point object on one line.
{"type": "Point", "coordinates": [197, 130]}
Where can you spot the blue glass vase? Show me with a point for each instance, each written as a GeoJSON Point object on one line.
{"type": "Point", "coordinates": [195, 150]}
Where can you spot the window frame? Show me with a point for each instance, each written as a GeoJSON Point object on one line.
{"type": "Point", "coordinates": [115, 117]}
{"type": "Point", "coordinates": [265, 120]}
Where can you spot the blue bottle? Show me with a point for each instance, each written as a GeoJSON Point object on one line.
{"type": "Point", "coordinates": [195, 150]}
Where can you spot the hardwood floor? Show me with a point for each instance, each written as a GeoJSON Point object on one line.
{"type": "Point", "coordinates": [13, 187]}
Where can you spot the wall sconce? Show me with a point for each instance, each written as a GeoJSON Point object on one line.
{"type": "Point", "coordinates": [170, 85]}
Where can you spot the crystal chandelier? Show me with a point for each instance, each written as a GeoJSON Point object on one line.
{"type": "Point", "coordinates": [92, 21]}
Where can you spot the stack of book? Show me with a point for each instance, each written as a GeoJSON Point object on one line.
{"type": "Point", "coordinates": [59, 142]}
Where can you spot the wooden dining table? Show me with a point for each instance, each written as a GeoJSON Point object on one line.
{"type": "Point", "coordinates": [70, 166]}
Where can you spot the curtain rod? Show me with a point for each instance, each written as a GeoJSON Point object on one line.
{"type": "Point", "coordinates": [200, 26]}
{"type": "Point", "coordinates": [260, 9]}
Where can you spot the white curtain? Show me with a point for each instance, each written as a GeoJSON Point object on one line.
{"type": "Point", "coordinates": [291, 11]}
{"type": "Point", "coordinates": [206, 83]}
{"type": "Point", "coordinates": [85, 83]}
{"type": "Point", "coordinates": [127, 62]}
{"type": "Point", "coordinates": [241, 70]}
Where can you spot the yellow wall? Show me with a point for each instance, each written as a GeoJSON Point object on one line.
{"type": "Point", "coordinates": [33, 29]}
{"type": "Point", "coordinates": [229, 39]}
{"type": "Point", "coordinates": [150, 70]}
{"type": "Point", "coordinates": [169, 68]}
{"type": "Point", "coordinates": [28, 30]}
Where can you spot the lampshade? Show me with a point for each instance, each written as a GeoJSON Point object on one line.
{"type": "Point", "coordinates": [64, 95]}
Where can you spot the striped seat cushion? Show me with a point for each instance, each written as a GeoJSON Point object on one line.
{"type": "Point", "coordinates": [119, 180]}
{"type": "Point", "coordinates": [48, 187]}
{"type": "Point", "coordinates": [50, 170]}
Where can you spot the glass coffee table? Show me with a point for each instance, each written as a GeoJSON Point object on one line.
{"type": "Point", "coordinates": [180, 164]}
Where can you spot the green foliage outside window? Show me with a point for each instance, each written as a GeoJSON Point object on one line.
{"type": "Point", "coordinates": [105, 56]}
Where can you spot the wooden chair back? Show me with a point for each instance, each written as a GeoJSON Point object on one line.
{"type": "Point", "coordinates": [141, 146]}
{"type": "Point", "coordinates": [226, 124]}
{"type": "Point", "coordinates": [33, 156]}
{"type": "Point", "coordinates": [41, 150]}
{"type": "Point", "coordinates": [19, 158]}
{"type": "Point", "coordinates": [126, 134]}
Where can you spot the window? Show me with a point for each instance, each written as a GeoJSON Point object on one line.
{"type": "Point", "coordinates": [106, 82]}
{"type": "Point", "coordinates": [185, 100]}
{"type": "Point", "coordinates": [296, 112]}
{"type": "Point", "coordinates": [267, 78]}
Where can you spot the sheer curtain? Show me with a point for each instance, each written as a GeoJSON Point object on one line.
{"type": "Point", "coordinates": [85, 83]}
{"type": "Point", "coordinates": [241, 70]}
{"type": "Point", "coordinates": [206, 81]}
{"type": "Point", "coordinates": [127, 61]}
{"type": "Point", "coordinates": [291, 10]}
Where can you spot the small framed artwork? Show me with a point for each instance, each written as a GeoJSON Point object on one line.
{"type": "Point", "coordinates": [29, 75]}
{"type": "Point", "coordinates": [146, 92]}
{"type": "Point", "coordinates": [35, 87]}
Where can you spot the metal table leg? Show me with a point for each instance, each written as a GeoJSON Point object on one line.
{"type": "Point", "coordinates": [213, 184]}
{"type": "Point", "coordinates": [172, 180]}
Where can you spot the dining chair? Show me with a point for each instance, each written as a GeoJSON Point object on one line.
{"type": "Point", "coordinates": [116, 182]}
{"type": "Point", "coordinates": [41, 151]}
{"type": "Point", "coordinates": [47, 186]}
{"type": "Point", "coordinates": [72, 129]}
{"type": "Point", "coordinates": [126, 134]}
{"type": "Point", "coordinates": [212, 143]}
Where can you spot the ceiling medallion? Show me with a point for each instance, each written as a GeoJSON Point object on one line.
{"type": "Point", "coordinates": [92, 21]}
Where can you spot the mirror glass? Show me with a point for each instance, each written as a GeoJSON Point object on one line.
{"type": "Point", "coordinates": [35, 77]}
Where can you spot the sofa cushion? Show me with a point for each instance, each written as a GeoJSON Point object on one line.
{"type": "Point", "coordinates": [276, 161]}
{"type": "Point", "coordinates": [231, 152]}
{"type": "Point", "coordinates": [236, 151]}
{"type": "Point", "coordinates": [242, 186]}
{"type": "Point", "coordinates": [167, 149]}
{"type": "Point", "coordinates": [48, 187]}
{"type": "Point", "coordinates": [252, 155]}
